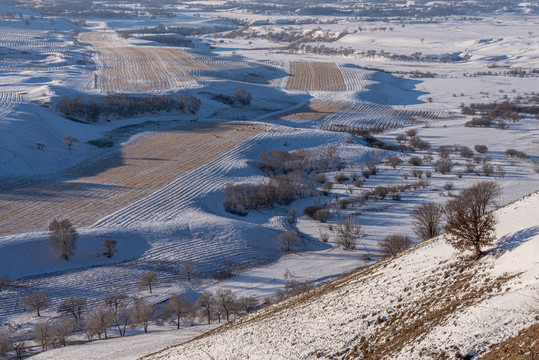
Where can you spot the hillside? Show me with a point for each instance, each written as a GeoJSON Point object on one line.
{"type": "Point", "coordinates": [428, 302]}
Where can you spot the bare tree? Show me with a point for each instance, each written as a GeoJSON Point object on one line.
{"type": "Point", "coordinates": [43, 334]}
{"type": "Point", "coordinates": [177, 309]}
{"type": "Point", "coordinates": [61, 329]}
{"type": "Point", "coordinates": [4, 281]}
{"type": "Point", "coordinates": [426, 220]}
{"type": "Point", "coordinates": [69, 140]}
{"type": "Point", "coordinates": [288, 240]}
{"type": "Point", "coordinates": [63, 237]}
{"type": "Point", "coordinates": [206, 301]}
{"type": "Point", "coordinates": [117, 302]}
{"type": "Point", "coordinates": [226, 301]}
{"type": "Point", "coordinates": [148, 279]}
{"type": "Point", "coordinates": [394, 244]}
{"type": "Point", "coordinates": [246, 304]}
{"type": "Point", "coordinates": [109, 247]}
{"type": "Point", "coordinates": [348, 233]}
{"type": "Point", "coordinates": [99, 319]}
{"type": "Point", "coordinates": [36, 301]}
{"type": "Point", "coordinates": [73, 306]}
{"type": "Point", "coordinates": [188, 270]}
{"type": "Point", "coordinates": [142, 313]}
{"type": "Point", "coordinates": [5, 342]}
{"type": "Point", "coordinates": [469, 226]}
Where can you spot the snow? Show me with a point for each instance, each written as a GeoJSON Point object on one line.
{"type": "Point", "coordinates": [332, 320]}
{"type": "Point", "coordinates": [185, 220]}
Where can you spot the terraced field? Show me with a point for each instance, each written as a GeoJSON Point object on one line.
{"type": "Point", "coordinates": [9, 101]}
{"type": "Point", "coordinates": [367, 116]}
{"type": "Point", "coordinates": [105, 186]}
{"type": "Point", "coordinates": [140, 69]}
{"type": "Point", "coordinates": [315, 76]}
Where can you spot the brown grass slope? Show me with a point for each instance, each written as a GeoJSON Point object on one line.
{"type": "Point", "coordinates": [383, 311]}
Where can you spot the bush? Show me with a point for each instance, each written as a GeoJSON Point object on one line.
{"type": "Point", "coordinates": [479, 122]}
{"type": "Point", "coordinates": [311, 210]}
{"type": "Point", "coordinates": [393, 161]}
{"type": "Point", "coordinates": [358, 183]}
{"type": "Point", "coordinates": [327, 187]}
{"type": "Point", "coordinates": [411, 132]}
{"type": "Point", "coordinates": [419, 144]}
{"type": "Point", "coordinates": [512, 153]}
{"type": "Point", "coordinates": [428, 174]}
{"type": "Point", "coordinates": [394, 244]}
{"type": "Point", "coordinates": [417, 173]}
{"type": "Point", "coordinates": [321, 178]}
{"type": "Point", "coordinates": [481, 149]}
{"type": "Point", "coordinates": [448, 186]}
{"type": "Point", "coordinates": [443, 167]}
{"type": "Point", "coordinates": [466, 152]}
{"type": "Point", "coordinates": [342, 178]}
{"type": "Point", "coordinates": [321, 215]}
{"type": "Point", "coordinates": [415, 160]}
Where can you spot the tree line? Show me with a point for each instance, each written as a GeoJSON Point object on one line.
{"type": "Point", "coordinates": [95, 108]}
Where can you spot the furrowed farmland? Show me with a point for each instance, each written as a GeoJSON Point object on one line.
{"type": "Point", "coordinates": [140, 69]}
{"type": "Point", "coordinates": [315, 76]}
{"type": "Point", "coordinates": [107, 185]}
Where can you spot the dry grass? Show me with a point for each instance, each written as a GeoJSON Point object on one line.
{"type": "Point", "coordinates": [102, 187]}
{"type": "Point", "coordinates": [314, 110]}
{"type": "Point", "coordinates": [128, 68]}
{"type": "Point", "coordinates": [315, 76]}
{"type": "Point", "coordinates": [524, 346]}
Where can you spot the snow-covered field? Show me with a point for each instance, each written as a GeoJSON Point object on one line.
{"type": "Point", "coordinates": [160, 193]}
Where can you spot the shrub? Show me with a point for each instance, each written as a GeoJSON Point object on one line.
{"type": "Point", "coordinates": [358, 183]}
{"type": "Point", "coordinates": [417, 173]}
{"type": "Point", "coordinates": [393, 161]}
{"type": "Point", "coordinates": [488, 169]}
{"type": "Point", "coordinates": [394, 244]}
{"type": "Point", "coordinates": [342, 178]}
{"type": "Point", "coordinates": [327, 187]}
{"type": "Point", "coordinates": [479, 122]}
{"type": "Point", "coordinates": [419, 144]}
{"type": "Point", "coordinates": [443, 167]}
{"type": "Point", "coordinates": [415, 160]}
{"type": "Point", "coordinates": [466, 152]}
{"type": "Point", "coordinates": [448, 186]}
{"type": "Point", "coordinates": [481, 149]}
{"type": "Point", "coordinates": [411, 132]}
{"type": "Point", "coordinates": [311, 210]}
{"type": "Point", "coordinates": [321, 215]}
{"type": "Point", "coordinates": [512, 153]}
{"type": "Point", "coordinates": [321, 178]}
{"type": "Point", "coordinates": [428, 174]}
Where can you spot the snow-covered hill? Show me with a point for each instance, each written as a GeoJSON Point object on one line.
{"type": "Point", "coordinates": [430, 302]}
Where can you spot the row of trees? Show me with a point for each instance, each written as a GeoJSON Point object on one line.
{"type": "Point", "coordinates": [92, 109]}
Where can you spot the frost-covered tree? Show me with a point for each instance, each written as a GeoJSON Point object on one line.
{"type": "Point", "coordinates": [188, 270]}
{"type": "Point", "coordinates": [142, 313]}
{"type": "Point", "coordinates": [73, 306]}
{"type": "Point", "coordinates": [148, 279]}
{"type": "Point", "coordinates": [288, 240]}
{"type": "Point", "coordinates": [225, 299]}
{"type": "Point", "coordinates": [36, 301]}
{"type": "Point", "coordinates": [177, 309]}
{"type": "Point", "coordinates": [206, 301]}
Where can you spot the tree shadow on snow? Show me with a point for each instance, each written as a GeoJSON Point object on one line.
{"type": "Point", "coordinates": [512, 241]}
